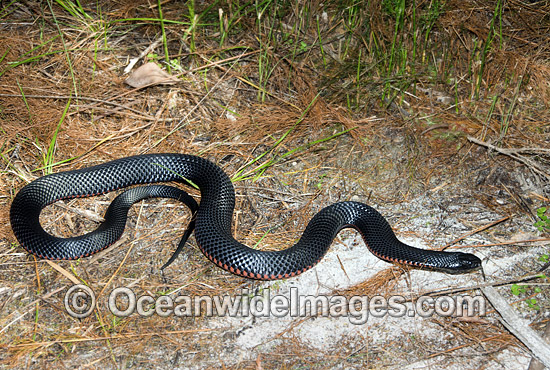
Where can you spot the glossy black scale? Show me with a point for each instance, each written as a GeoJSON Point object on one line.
{"type": "Point", "coordinates": [213, 219]}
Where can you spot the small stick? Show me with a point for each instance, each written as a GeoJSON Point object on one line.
{"type": "Point", "coordinates": [475, 232]}
{"type": "Point", "coordinates": [503, 243]}
{"type": "Point", "coordinates": [147, 50]}
{"type": "Point", "coordinates": [513, 153]}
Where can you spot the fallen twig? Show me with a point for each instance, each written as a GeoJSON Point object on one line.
{"type": "Point", "coordinates": [517, 326]}
{"type": "Point", "coordinates": [514, 154]}
{"type": "Point", "coordinates": [481, 228]}
{"type": "Point", "coordinates": [536, 364]}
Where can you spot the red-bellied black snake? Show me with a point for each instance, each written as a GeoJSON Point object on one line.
{"type": "Point", "coordinates": [213, 219]}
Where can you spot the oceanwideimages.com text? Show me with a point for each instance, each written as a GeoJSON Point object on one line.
{"type": "Point", "coordinates": [80, 301]}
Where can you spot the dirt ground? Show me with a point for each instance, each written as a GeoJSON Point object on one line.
{"type": "Point", "coordinates": [434, 113]}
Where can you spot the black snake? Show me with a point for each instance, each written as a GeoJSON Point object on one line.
{"type": "Point", "coordinates": [213, 219]}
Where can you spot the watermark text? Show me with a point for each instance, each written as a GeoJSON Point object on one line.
{"type": "Point", "coordinates": [80, 301]}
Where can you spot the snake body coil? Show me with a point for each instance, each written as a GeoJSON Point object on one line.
{"type": "Point", "coordinates": [213, 219]}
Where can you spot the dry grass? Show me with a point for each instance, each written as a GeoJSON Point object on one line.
{"type": "Point", "coordinates": [242, 86]}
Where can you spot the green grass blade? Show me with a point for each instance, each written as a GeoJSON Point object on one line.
{"type": "Point", "coordinates": [49, 156]}
{"type": "Point", "coordinates": [65, 50]}
{"type": "Point", "coordinates": [164, 40]}
{"type": "Point", "coordinates": [25, 100]}
{"type": "Point", "coordinates": [4, 10]}
{"type": "Point", "coordinates": [277, 143]}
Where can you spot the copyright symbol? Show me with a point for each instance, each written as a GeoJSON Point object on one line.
{"type": "Point", "coordinates": [79, 301]}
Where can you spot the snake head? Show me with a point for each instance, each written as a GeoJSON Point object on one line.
{"type": "Point", "coordinates": [467, 262]}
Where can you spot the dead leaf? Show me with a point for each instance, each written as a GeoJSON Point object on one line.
{"type": "Point", "coordinates": [150, 74]}
{"type": "Point", "coordinates": [473, 319]}
{"type": "Point", "coordinates": [64, 272]}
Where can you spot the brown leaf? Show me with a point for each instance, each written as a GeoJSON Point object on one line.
{"type": "Point", "coordinates": [150, 74]}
